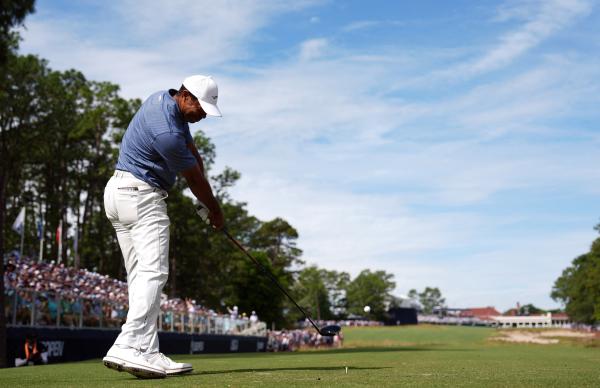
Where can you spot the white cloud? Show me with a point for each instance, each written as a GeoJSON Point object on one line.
{"type": "Point", "coordinates": [545, 19]}
{"type": "Point", "coordinates": [312, 49]}
{"type": "Point", "coordinates": [539, 21]}
{"type": "Point", "coordinates": [360, 25]}
{"type": "Point", "coordinates": [162, 41]}
{"type": "Point", "coordinates": [366, 24]}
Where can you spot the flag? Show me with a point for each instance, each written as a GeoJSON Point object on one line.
{"type": "Point", "coordinates": [19, 224]}
{"type": "Point", "coordinates": [59, 240]}
{"type": "Point", "coordinates": [40, 229]}
{"type": "Point", "coordinates": [41, 237]}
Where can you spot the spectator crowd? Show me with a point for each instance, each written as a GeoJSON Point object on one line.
{"type": "Point", "coordinates": [306, 337]}
{"type": "Point", "coordinates": [67, 296]}
{"type": "Point", "coordinates": [291, 340]}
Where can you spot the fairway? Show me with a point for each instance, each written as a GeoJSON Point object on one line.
{"type": "Point", "coordinates": [376, 357]}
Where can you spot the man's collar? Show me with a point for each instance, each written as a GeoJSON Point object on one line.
{"type": "Point", "coordinates": [176, 111]}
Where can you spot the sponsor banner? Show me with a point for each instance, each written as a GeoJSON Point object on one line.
{"type": "Point", "coordinates": [63, 345]}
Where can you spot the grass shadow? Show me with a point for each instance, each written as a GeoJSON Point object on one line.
{"type": "Point", "coordinates": [371, 349]}
{"type": "Point", "coordinates": [307, 368]}
{"type": "Point", "coordinates": [380, 349]}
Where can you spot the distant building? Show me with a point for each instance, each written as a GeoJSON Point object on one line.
{"type": "Point", "coordinates": [480, 313]}
{"type": "Point", "coordinates": [474, 316]}
{"type": "Point", "coordinates": [549, 320]}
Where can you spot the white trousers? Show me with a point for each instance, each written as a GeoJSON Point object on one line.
{"type": "Point", "coordinates": [138, 213]}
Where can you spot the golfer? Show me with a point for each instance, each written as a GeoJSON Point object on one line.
{"type": "Point", "coordinates": [157, 145]}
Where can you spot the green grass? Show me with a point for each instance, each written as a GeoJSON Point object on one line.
{"type": "Point", "coordinates": [376, 357]}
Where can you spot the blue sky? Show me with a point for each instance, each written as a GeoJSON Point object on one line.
{"type": "Point", "coordinates": [453, 144]}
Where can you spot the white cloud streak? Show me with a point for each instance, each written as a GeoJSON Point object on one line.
{"type": "Point", "coordinates": [163, 42]}
{"type": "Point", "coordinates": [540, 20]}
{"type": "Point", "coordinates": [546, 19]}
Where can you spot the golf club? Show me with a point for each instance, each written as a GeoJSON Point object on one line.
{"type": "Point", "coordinates": [327, 331]}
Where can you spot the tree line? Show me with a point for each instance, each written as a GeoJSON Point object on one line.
{"type": "Point", "coordinates": [578, 287]}
{"type": "Point", "coordinates": [12, 14]}
{"type": "Point", "coordinates": [59, 140]}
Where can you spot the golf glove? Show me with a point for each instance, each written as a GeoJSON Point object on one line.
{"type": "Point", "coordinates": [202, 211]}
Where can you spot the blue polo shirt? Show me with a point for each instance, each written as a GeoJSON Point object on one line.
{"type": "Point", "coordinates": [154, 147]}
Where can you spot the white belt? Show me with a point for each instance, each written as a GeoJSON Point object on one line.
{"type": "Point", "coordinates": [123, 174]}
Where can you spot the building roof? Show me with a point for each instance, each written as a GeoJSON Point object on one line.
{"type": "Point", "coordinates": [479, 312]}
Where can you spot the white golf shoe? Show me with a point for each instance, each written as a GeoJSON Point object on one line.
{"type": "Point", "coordinates": [170, 367]}
{"type": "Point", "coordinates": [132, 361]}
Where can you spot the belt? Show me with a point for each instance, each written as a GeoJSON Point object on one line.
{"type": "Point", "coordinates": [123, 174]}
{"type": "Point", "coordinates": [144, 185]}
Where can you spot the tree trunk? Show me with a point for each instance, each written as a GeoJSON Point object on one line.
{"type": "Point", "coordinates": [77, 222]}
{"type": "Point", "coordinates": [3, 338]}
{"type": "Point", "coordinates": [4, 161]}
{"type": "Point", "coordinates": [84, 223]}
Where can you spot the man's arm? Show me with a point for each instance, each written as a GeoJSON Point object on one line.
{"type": "Point", "coordinates": [198, 183]}
{"type": "Point", "coordinates": [194, 151]}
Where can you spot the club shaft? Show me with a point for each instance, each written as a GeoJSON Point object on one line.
{"type": "Point", "coordinates": [270, 275]}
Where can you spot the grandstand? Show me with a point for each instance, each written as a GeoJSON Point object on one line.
{"type": "Point", "coordinates": [45, 294]}
{"type": "Point", "coordinates": [69, 306]}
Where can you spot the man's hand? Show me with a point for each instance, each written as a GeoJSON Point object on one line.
{"type": "Point", "coordinates": [216, 220]}
{"type": "Point", "coordinates": [203, 212]}
{"type": "Point", "coordinates": [203, 192]}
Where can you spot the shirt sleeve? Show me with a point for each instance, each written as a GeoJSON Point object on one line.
{"type": "Point", "coordinates": [173, 149]}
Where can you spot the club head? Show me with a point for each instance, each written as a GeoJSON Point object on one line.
{"type": "Point", "coordinates": [330, 331]}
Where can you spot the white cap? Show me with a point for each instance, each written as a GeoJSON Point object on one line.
{"type": "Point", "coordinates": [205, 89]}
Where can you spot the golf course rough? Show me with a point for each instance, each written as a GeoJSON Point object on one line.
{"type": "Point", "coordinates": [427, 356]}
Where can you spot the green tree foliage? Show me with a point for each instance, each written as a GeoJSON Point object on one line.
{"type": "Point", "coordinates": [12, 14]}
{"type": "Point", "coordinates": [56, 128]}
{"type": "Point", "coordinates": [336, 284]}
{"type": "Point", "coordinates": [312, 293]}
{"type": "Point", "coordinates": [371, 289]}
{"type": "Point", "coordinates": [430, 298]}
{"type": "Point", "coordinates": [251, 289]}
{"type": "Point", "coordinates": [413, 294]}
{"type": "Point", "coordinates": [578, 287]}
{"type": "Point", "coordinates": [277, 238]}
{"type": "Point", "coordinates": [274, 242]}
{"type": "Point", "coordinates": [530, 309]}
